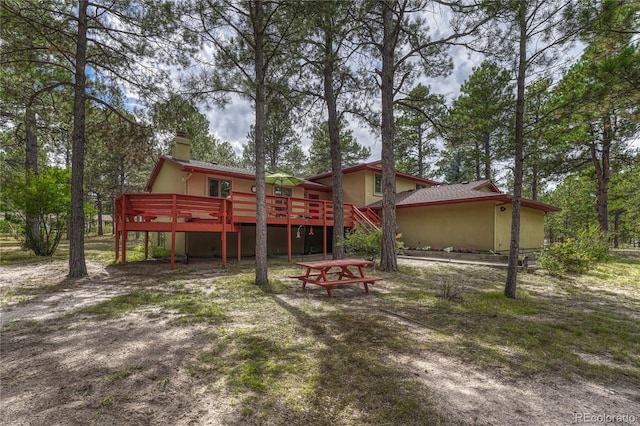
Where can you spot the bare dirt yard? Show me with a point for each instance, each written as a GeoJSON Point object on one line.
{"type": "Point", "coordinates": [201, 345]}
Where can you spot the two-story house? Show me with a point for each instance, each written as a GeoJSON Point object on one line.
{"type": "Point", "coordinates": [209, 210]}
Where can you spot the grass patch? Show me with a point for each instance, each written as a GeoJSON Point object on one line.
{"type": "Point", "coordinates": [121, 374]}
{"type": "Point", "coordinates": [12, 253]}
{"type": "Point", "coordinates": [190, 307]}
{"type": "Point", "coordinates": [288, 356]}
{"type": "Point", "coordinates": [495, 302]}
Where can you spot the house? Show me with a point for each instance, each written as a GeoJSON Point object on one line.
{"type": "Point", "coordinates": [472, 215]}
{"type": "Point", "coordinates": [202, 209]}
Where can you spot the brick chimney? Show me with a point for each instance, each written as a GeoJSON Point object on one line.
{"type": "Point", "coordinates": [181, 147]}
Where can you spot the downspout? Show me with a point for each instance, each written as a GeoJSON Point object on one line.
{"type": "Point", "coordinates": [186, 182]}
{"type": "Point", "coordinates": [186, 234]}
{"type": "Point", "coordinates": [495, 227]}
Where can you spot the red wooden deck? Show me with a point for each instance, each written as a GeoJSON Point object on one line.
{"type": "Point", "coordinates": [185, 213]}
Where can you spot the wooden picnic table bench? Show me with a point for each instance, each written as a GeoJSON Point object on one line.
{"type": "Point", "coordinates": [332, 273]}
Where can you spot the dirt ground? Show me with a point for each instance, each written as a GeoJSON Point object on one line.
{"type": "Point", "coordinates": [57, 371]}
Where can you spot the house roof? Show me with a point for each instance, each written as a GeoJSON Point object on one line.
{"type": "Point", "coordinates": [483, 190]}
{"type": "Point", "coordinates": [219, 169]}
{"type": "Point", "coordinates": [374, 166]}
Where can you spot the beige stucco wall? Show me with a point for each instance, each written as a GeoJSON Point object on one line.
{"type": "Point", "coordinates": [402, 184]}
{"type": "Point", "coordinates": [458, 225]}
{"type": "Point", "coordinates": [531, 228]}
{"type": "Point", "coordinates": [359, 187]}
{"type": "Point", "coordinates": [198, 183]}
{"type": "Point", "coordinates": [169, 180]}
{"type": "Point", "coordinates": [354, 188]}
{"type": "Point", "coordinates": [481, 226]}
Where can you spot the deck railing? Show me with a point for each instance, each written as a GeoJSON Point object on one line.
{"type": "Point", "coordinates": [282, 210]}
{"type": "Point", "coordinates": [365, 221]}
{"type": "Point", "coordinates": [146, 206]}
{"type": "Point", "coordinates": [191, 213]}
{"type": "Point", "coordinates": [239, 207]}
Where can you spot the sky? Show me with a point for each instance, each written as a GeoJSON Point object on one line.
{"type": "Point", "coordinates": [232, 122]}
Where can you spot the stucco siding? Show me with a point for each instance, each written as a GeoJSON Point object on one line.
{"type": "Point", "coordinates": [531, 228]}
{"type": "Point", "coordinates": [403, 184]}
{"type": "Point", "coordinates": [359, 187]}
{"type": "Point", "coordinates": [461, 225]}
{"type": "Point", "coordinates": [197, 185]}
{"type": "Point", "coordinates": [169, 180]}
{"type": "Point", "coordinates": [356, 188]}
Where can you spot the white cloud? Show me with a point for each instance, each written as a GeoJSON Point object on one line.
{"type": "Point", "coordinates": [232, 122]}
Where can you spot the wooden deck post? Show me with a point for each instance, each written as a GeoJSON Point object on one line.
{"type": "Point", "coordinates": [124, 245]}
{"type": "Point", "coordinates": [224, 232]}
{"type": "Point", "coordinates": [146, 245]}
{"type": "Point", "coordinates": [174, 219]}
{"type": "Point", "coordinates": [324, 231]}
{"type": "Point", "coordinates": [115, 225]}
{"type": "Point", "coordinates": [123, 236]}
{"type": "Point", "coordinates": [289, 229]}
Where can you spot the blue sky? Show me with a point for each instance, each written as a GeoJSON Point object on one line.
{"type": "Point", "coordinates": [232, 122]}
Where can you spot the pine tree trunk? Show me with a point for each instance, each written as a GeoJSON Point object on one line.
{"type": "Point", "coordinates": [478, 160]}
{"type": "Point", "coordinates": [421, 149]}
{"type": "Point", "coordinates": [77, 265]}
{"type": "Point", "coordinates": [34, 237]}
{"type": "Point", "coordinates": [514, 247]}
{"type": "Point", "coordinates": [261, 199]}
{"type": "Point", "coordinates": [337, 249]}
{"type": "Point", "coordinates": [616, 227]}
{"type": "Point", "coordinates": [603, 173]}
{"type": "Point", "coordinates": [99, 208]}
{"type": "Point", "coordinates": [388, 259]}
{"type": "Point", "coordinates": [487, 156]}
{"type": "Point", "coordinates": [534, 181]}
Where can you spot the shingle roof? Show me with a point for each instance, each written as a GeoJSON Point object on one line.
{"type": "Point", "coordinates": [483, 190]}
{"type": "Point", "coordinates": [214, 167]}
{"type": "Point", "coordinates": [374, 166]}
{"type": "Point", "coordinates": [203, 167]}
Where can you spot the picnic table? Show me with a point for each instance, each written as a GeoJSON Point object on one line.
{"type": "Point", "coordinates": [332, 273]}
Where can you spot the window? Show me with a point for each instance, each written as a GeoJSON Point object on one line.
{"type": "Point", "coordinates": [420, 186]}
{"type": "Point", "coordinates": [377, 184]}
{"type": "Point", "coordinates": [285, 192]}
{"type": "Point", "coordinates": [219, 188]}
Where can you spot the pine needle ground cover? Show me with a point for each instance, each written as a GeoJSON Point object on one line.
{"type": "Point", "coordinates": [432, 344]}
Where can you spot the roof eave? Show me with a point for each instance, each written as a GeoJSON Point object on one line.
{"type": "Point", "coordinates": [372, 166]}
{"type": "Point", "coordinates": [505, 198]}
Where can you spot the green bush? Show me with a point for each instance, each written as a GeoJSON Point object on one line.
{"type": "Point", "coordinates": [576, 255]}
{"type": "Point", "coordinates": [367, 244]}
{"type": "Point", "coordinates": [154, 252]}
{"type": "Point", "coordinates": [362, 243]}
{"type": "Point", "coordinates": [40, 206]}
{"type": "Point", "coordinates": [160, 252]}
